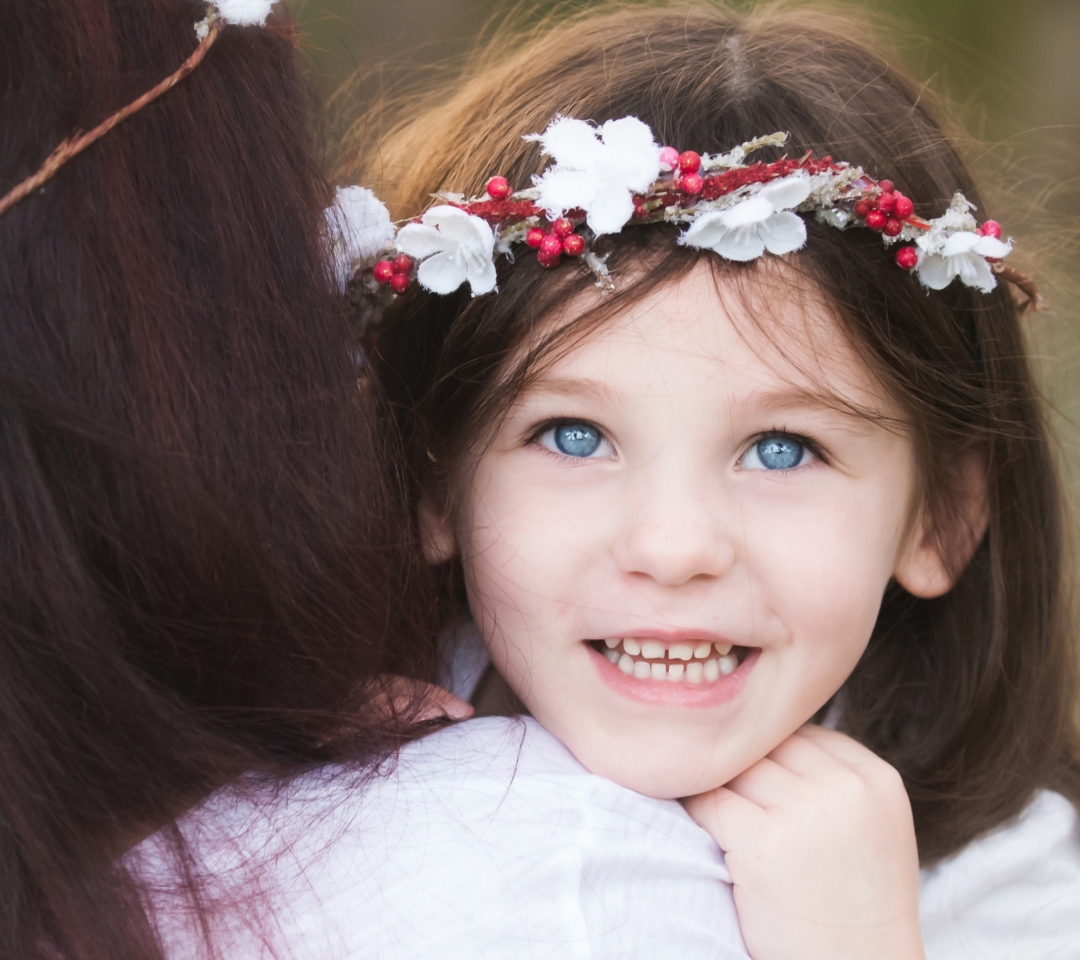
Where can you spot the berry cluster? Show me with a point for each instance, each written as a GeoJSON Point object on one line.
{"type": "Point", "coordinates": [685, 166]}
{"type": "Point", "coordinates": [887, 213]}
{"type": "Point", "coordinates": [550, 245]}
{"type": "Point", "coordinates": [395, 274]}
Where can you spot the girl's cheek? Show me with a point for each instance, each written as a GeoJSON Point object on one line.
{"type": "Point", "coordinates": [824, 568]}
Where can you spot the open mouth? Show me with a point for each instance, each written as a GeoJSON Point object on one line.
{"type": "Point", "coordinates": [684, 662]}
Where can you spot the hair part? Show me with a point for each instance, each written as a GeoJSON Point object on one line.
{"type": "Point", "coordinates": [969, 695]}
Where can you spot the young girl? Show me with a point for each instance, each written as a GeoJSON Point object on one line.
{"type": "Point", "coordinates": [750, 440]}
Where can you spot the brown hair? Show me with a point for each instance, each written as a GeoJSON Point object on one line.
{"type": "Point", "coordinates": [204, 554]}
{"type": "Point", "coordinates": [969, 695]}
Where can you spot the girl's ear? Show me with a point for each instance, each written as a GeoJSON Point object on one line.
{"type": "Point", "coordinates": [436, 532]}
{"type": "Point", "coordinates": [942, 542]}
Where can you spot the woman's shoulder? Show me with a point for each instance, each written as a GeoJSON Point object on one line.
{"type": "Point", "coordinates": [486, 838]}
{"type": "Point", "coordinates": [1013, 894]}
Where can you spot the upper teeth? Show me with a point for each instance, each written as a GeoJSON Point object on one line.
{"type": "Point", "coordinates": [655, 650]}
{"type": "Point", "coordinates": [709, 660]}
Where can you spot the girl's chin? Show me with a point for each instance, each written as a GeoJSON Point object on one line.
{"type": "Point", "coordinates": [667, 775]}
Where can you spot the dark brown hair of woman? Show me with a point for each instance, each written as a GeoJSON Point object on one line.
{"type": "Point", "coordinates": [969, 696]}
{"type": "Point", "coordinates": [204, 557]}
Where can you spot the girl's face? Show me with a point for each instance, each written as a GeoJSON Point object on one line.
{"type": "Point", "coordinates": [674, 548]}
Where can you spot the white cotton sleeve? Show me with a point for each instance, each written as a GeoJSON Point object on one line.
{"type": "Point", "coordinates": [488, 840]}
{"type": "Point", "coordinates": [1012, 895]}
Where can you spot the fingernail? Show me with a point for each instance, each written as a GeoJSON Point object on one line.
{"type": "Point", "coordinates": [459, 710]}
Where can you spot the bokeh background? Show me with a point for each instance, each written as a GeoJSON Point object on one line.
{"type": "Point", "coordinates": [1011, 68]}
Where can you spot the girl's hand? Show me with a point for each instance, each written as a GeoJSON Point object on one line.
{"type": "Point", "coordinates": [820, 843]}
{"type": "Point", "coordinates": [399, 695]}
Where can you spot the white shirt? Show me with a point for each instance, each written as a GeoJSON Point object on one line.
{"type": "Point", "coordinates": [489, 840]}
{"type": "Point", "coordinates": [1012, 895]}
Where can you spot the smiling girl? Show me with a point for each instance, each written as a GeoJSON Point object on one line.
{"type": "Point", "coordinates": [707, 468]}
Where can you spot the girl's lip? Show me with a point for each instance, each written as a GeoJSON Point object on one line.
{"type": "Point", "coordinates": [668, 693]}
{"type": "Point", "coordinates": [672, 636]}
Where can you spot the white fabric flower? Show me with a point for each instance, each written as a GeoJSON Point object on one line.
{"type": "Point", "coordinates": [749, 228]}
{"type": "Point", "coordinates": [597, 170]}
{"type": "Point", "coordinates": [962, 255]}
{"type": "Point", "coordinates": [454, 246]}
{"type": "Point", "coordinates": [359, 227]}
{"type": "Point", "coordinates": [244, 12]}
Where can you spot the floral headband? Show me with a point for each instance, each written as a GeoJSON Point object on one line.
{"type": "Point", "coordinates": [606, 178]}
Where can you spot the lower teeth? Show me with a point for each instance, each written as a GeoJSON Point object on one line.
{"type": "Point", "coordinates": [696, 671]}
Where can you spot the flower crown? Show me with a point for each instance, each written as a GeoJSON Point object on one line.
{"type": "Point", "coordinates": [605, 178]}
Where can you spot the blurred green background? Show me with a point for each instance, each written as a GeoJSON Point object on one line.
{"type": "Point", "coordinates": [1011, 68]}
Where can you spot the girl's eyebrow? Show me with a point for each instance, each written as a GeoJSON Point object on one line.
{"type": "Point", "coordinates": [577, 387]}
{"type": "Point", "coordinates": [788, 398]}
{"type": "Point", "coordinates": [799, 399]}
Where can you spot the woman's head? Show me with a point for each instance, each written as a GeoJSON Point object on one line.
{"type": "Point", "coordinates": [204, 562]}
{"type": "Point", "coordinates": [964, 682]}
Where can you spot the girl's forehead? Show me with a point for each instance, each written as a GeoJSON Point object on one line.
{"type": "Point", "coordinates": [766, 330]}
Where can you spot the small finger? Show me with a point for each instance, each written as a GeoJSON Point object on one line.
{"type": "Point", "coordinates": [802, 755]}
{"type": "Point", "coordinates": [766, 784]}
{"type": "Point", "coordinates": [442, 703]}
{"type": "Point", "coordinates": [725, 815]}
{"type": "Point", "coordinates": [419, 701]}
{"type": "Point", "coordinates": [837, 745]}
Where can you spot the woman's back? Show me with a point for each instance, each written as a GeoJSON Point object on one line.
{"type": "Point", "coordinates": [201, 555]}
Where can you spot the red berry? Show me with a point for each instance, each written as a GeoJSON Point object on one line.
{"type": "Point", "coordinates": [399, 282]}
{"type": "Point", "coordinates": [383, 271]}
{"type": "Point", "coordinates": [863, 207]}
{"type": "Point", "coordinates": [887, 186]}
{"type": "Point", "coordinates": [907, 257]}
{"type": "Point", "coordinates": [904, 207]}
{"type": "Point", "coordinates": [876, 220]}
{"type": "Point", "coordinates": [991, 229]}
{"type": "Point", "coordinates": [573, 244]}
{"type": "Point", "coordinates": [669, 158]}
{"type": "Point", "coordinates": [550, 246]}
{"type": "Point", "coordinates": [893, 227]}
{"type": "Point", "coordinates": [692, 183]}
{"type": "Point", "coordinates": [402, 263]}
{"type": "Point", "coordinates": [498, 188]}
{"type": "Point", "coordinates": [886, 203]}
{"type": "Point", "coordinates": [689, 162]}
{"type": "Point", "coordinates": [562, 227]}
{"type": "Point", "coordinates": [548, 262]}
{"type": "Point", "coordinates": [534, 237]}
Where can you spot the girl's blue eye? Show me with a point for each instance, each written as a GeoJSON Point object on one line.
{"type": "Point", "coordinates": [580, 440]}
{"type": "Point", "coordinates": [777, 452]}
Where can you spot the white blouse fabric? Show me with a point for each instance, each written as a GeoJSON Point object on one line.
{"type": "Point", "coordinates": [1012, 895]}
{"type": "Point", "coordinates": [489, 840]}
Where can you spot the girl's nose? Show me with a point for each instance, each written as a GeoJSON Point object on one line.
{"type": "Point", "coordinates": [673, 534]}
